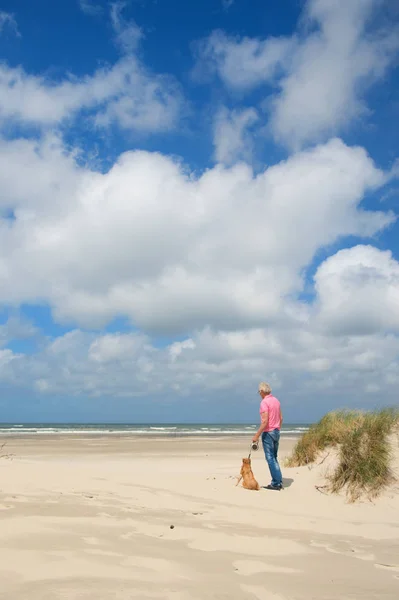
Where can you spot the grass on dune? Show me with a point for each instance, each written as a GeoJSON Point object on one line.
{"type": "Point", "coordinates": [363, 446]}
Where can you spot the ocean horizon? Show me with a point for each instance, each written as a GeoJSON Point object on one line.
{"type": "Point", "coordinates": [143, 429]}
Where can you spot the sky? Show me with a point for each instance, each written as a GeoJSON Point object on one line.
{"type": "Point", "coordinates": [196, 197]}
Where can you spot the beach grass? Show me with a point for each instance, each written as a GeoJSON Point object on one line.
{"type": "Point", "coordinates": [364, 449]}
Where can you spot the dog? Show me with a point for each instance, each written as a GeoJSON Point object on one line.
{"type": "Point", "coordinates": [249, 481]}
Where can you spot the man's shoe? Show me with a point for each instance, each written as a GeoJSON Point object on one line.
{"type": "Point", "coordinates": [274, 487]}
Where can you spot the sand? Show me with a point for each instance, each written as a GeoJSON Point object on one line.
{"type": "Point", "coordinates": [90, 519]}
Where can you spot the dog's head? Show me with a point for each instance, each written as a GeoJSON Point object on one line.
{"type": "Point", "coordinates": [246, 461]}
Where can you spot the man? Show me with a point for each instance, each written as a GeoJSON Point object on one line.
{"type": "Point", "coordinates": [270, 426]}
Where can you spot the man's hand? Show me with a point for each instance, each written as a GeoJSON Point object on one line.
{"type": "Point", "coordinates": [255, 438]}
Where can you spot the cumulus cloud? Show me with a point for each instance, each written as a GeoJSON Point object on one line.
{"type": "Point", "coordinates": [358, 291]}
{"type": "Point", "coordinates": [216, 257]}
{"type": "Point", "coordinates": [232, 135]}
{"type": "Point", "coordinates": [319, 75]}
{"type": "Point", "coordinates": [173, 251]}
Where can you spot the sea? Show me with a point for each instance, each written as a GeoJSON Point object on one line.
{"type": "Point", "coordinates": [141, 429]}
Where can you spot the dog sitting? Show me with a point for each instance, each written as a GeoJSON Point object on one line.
{"type": "Point", "coordinates": [249, 481]}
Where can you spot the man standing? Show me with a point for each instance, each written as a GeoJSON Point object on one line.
{"type": "Point", "coordinates": [270, 426]}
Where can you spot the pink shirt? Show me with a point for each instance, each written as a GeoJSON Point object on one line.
{"type": "Point", "coordinates": [271, 405]}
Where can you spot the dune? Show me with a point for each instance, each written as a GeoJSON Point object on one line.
{"type": "Point", "coordinates": [360, 449]}
{"type": "Point", "coordinates": [125, 518]}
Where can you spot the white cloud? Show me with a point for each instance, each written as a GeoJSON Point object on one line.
{"type": "Point", "coordinates": [171, 251]}
{"type": "Point", "coordinates": [115, 347]}
{"type": "Point", "coordinates": [128, 34]}
{"type": "Point", "coordinates": [16, 328]}
{"type": "Point", "coordinates": [232, 137]}
{"type": "Point", "coordinates": [125, 94]}
{"type": "Point", "coordinates": [244, 63]}
{"type": "Point", "coordinates": [358, 291]}
{"type": "Point", "coordinates": [90, 8]}
{"type": "Point", "coordinates": [322, 91]}
{"type": "Point", "coordinates": [176, 348]}
{"type": "Point", "coordinates": [146, 103]}
{"type": "Point", "coordinates": [327, 349]}
{"type": "Point", "coordinates": [319, 75]}
{"type": "Point", "coordinates": [299, 363]}
{"type": "Point", "coordinates": [7, 20]}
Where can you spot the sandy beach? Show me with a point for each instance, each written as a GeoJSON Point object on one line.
{"type": "Point", "coordinates": [91, 519]}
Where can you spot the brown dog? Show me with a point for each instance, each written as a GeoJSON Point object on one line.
{"type": "Point", "coordinates": [249, 481]}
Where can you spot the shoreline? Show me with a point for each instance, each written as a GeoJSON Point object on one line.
{"type": "Point", "coordinates": [141, 430]}
{"type": "Point", "coordinates": [52, 445]}
{"type": "Point", "coordinates": [134, 436]}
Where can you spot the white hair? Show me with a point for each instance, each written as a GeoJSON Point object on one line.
{"type": "Point", "coordinates": [265, 387]}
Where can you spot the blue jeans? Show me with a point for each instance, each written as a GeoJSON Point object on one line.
{"type": "Point", "coordinates": [270, 442]}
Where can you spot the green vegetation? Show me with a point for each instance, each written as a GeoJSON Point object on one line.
{"type": "Point", "coordinates": [363, 448]}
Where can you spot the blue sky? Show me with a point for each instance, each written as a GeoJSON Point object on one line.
{"type": "Point", "coordinates": [195, 197]}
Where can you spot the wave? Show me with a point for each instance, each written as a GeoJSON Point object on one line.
{"type": "Point", "coordinates": [144, 430]}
